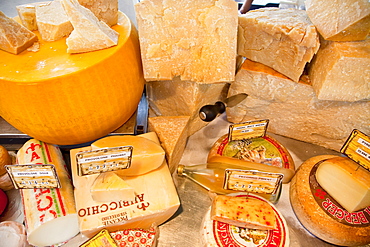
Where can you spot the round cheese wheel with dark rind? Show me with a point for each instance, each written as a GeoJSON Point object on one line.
{"type": "Point", "coordinates": [312, 215]}
{"type": "Point", "coordinates": [264, 154]}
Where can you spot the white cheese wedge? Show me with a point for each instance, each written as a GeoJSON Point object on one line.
{"type": "Point", "coordinates": [52, 21]}
{"type": "Point", "coordinates": [110, 186]}
{"type": "Point", "coordinates": [89, 33]}
{"type": "Point", "coordinates": [346, 181]}
{"type": "Point", "coordinates": [105, 10]}
{"type": "Point", "coordinates": [27, 14]}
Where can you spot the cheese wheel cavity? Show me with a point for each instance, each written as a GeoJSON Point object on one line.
{"type": "Point", "coordinates": [319, 212]}
{"type": "Point", "coordinates": [50, 213]}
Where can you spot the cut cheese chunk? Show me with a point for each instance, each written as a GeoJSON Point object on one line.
{"type": "Point", "coordinates": [346, 181]}
{"type": "Point", "coordinates": [50, 214]}
{"type": "Point", "coordinates": [89, 34]}
{"type": "Point", "coordinates": [27, 14]}
{"type": "Point", "coordinates": [14, 37]}
{"type": "Point", "coordinates": [146, 155]}
{"type": "Point", "coordinates": [184, 98]}
{"type": "Point", "coordinates": [341, 71]}
{"type": "Point", "coordinates": [243, 212]}
{"type": "Point", "coordinates": [283, 39]}
{"type": "Point", "coordinates": [195, 41]}
{"type": "Point", "coordinates": [293, 108]}
{"type": "Point", "coordinates": [52, 21]}
{"type": "Point", "coordinates": [340, 20]}
{"type": "Point", "coordinates": [105, 10]}
{"type": "Point", "coordinates": [110, 186]}
{"type": "Point", "coordinates": [155, 202]}
{"type": "Point", "coordinates": [173, 134]}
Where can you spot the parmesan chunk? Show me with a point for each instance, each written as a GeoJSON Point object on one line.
{"type": "Point", "coordinates": [89, 33]}
{"type": "Point", "coordinates": [52, 21]}
{"type": "Point", "coordinates": [105, 10]}
{"type": "Point", "coordinates": [283, 39]}
{"type": "Point", "coordinates": [341, 71]}
{"type": "Point", "coordinates": [194, 40]}
{"type": "Point", "coordinates": [340, 20]}
{"type": "Point", "coordinates": [27, 14]}
{"type": "Point", "coordinates": [14, 37]}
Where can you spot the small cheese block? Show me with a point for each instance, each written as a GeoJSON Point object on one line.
{"type": "Point", "coordinates": [13, 234]}
{"type": "Point", "coordinates": [155, 202]}
{"type": "Point", "coordinates": [340, 20]}
{"type": "Point", "coordinates": [184, 98]}
{"type": "Point", "coordinates": [50, 214]}
{"type": "Point", "coordinates": [346, 181]}
{"type": "Point", "coordinates": [173, 134]}
{"type": "Point", "coordinates": [89, 34]}
{"type": "Point", "coordinates": [52, 21]}
{"type": "Point", "coordinates": [147, 155]}
{"type": "Point", "coordinates": [340, 71]}
{"type": "Point", "coordinates": [110, 186]}
{"type": "Point", "coordinates": [195, 41]}
{"type": "Point", "coordinates": [136, 237]}
{"type": "Point", "coordinates": [243, 212]}
{"type": "Point", "coordinates": [14, 37]}
{"type": "Point", "coordinates": [293, 108]}
{"type": "Point", "coordinates": [105, 10]}
{"type": "Point", "coordinates": [5, 159]}
{"type": "Point", "coordinates": [27, 14]}
{"type": "Point", "coordinates": [283, 39]}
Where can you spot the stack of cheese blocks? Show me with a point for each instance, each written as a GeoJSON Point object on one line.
{"type": "Point", "coordinates": [308, 72]}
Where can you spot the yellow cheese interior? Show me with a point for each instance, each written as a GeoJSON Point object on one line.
{"type": "Point", "coordinates": [346, 182]}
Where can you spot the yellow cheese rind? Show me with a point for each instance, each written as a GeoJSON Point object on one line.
{"type": "Point", "coordinates": [14, 38]}
{"type": "Point", "coordinates": [146, 155]}
{"type": "Point", "coordinates": [346, 181]}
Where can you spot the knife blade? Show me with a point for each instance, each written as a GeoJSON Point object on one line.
{"type": "Point", "coordinates": [209, 112]}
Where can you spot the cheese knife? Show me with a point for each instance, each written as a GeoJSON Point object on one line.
{"type": "Point", "coordinates": [209, 112]}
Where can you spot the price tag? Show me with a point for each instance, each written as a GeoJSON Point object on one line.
{"type": "Point", "coordinates": [33, 176]}
{"type": "Point", "coordinates": [252, 181]}
{"type": "Point", "coordinates": [357, 148]}
{"type": "Point", "coordinates": [248, 130]}
{"type": "Point", "coordinates": [102, 238]}
{"type": "Point", "coordinates": [104, 160]}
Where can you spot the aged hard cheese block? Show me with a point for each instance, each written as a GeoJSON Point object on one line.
{"type": "Point", "coordinates": [14, 37]}
{"type": "Point", "coordinates": [195, 41]}
{"type": "Point", "coordinates": [293, 108]}
{"type": "Point", "coordinates": [340, 20]}
{"type": "Point", "coordinates": [50, 214]}
{"type": "Point", "coordinates": [106, 11]}
{"type": "Point", "coordinates": [147, 155]}
{"type": "Point", "coordinates": [341, 71]}
{"type": "Point", "coordinates": [346, 181]}
{"type": "Point", "coordinates": [89, 33]}
{"type": "Point", "coordinates": [243, 212]}
{"type": "Point", "coordinates": [173, 134]}
{"type": "Point", "coordinates": [27, 14]}
{"type": "Point", "coordinates": [52, 21]}
{"type": "Point", "coordinates": [283, 39]}
{"type": "Point", "coordinates": [322, 215]}
{"type": "Point", "coordinates": [184, 98]}
{"type": "Point", "coordinates": [155, 202]}
{"type": "Point", "coordinates": [110, 186]}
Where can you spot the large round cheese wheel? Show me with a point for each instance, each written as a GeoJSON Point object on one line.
{"type": "Point", "coordinates": [263, 153]}
{"type": "Point", "coordinates": [320, 214]}
{"type": "Point", "coordinates": [67, 99]}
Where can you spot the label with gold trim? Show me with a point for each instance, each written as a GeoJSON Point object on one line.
{"type": "Point", "coordinates": [357, 148]}
{"type": "Point", "coordinates": [247, 130]}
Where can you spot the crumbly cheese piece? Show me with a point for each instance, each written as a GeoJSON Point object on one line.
{"type": "Point", "coordinates": [340, 20]}
{"type": "Point", "coordinates": [105, 10]}
{"type": "Point", "coordinates": [345, 181]}
{"type": "Point", "coordinates": [173, 134]}
{"type": "Point", "coordinates": [243, 212]}
{"type": "Point", "coordinates": [283, 39]}
{"type": "Point", "coordinates": [27, 14]}
{"type": "Point", "coordinates": [110, 186]}
{"type": "Point", "coordinates": [52, 21]}
{"type": "Point", "coordinates": [89, 34]}
{"type": "Point", "coordinates": [341, 71]}
{"type": "Point", "coordinates": [147, 155]}
{"type": "Point", "coordinates": [14, 37]}
{"type": "Point", "coordinates": [293, 108]}
{"type": "Point", "coordinates": [184, 98]}
{"type": "Point", "coordinates": [196, 41]}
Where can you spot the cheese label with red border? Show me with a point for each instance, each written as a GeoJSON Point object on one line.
{"type": "Point", "coordinates": [332, 208]}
